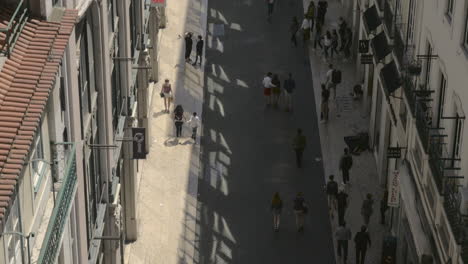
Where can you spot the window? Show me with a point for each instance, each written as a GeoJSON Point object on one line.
{"type": "Point", "coordinates": [440, 107]}
{"type": "Point", "coordinates": [427, 76]}
{"type": "Point", "coordinates": [457, 136]}
{"type": "Point", "coordinates": [37, 162]}
{"type": "Point", "coordinates": [13, 241]}
{"type": "Point", "coordinates": [449, 10]}
{"type": "Point", "coordinates": [116, 96]}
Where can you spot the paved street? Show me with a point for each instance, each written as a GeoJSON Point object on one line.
{"type": "Point", "coordinates": [246, 149]}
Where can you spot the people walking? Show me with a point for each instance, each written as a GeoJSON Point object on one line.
{"type": "Point", "coordinates": [342, 202]}
{"type": "Point", "coordinates": [311, 14]}
{"type": "Point", "coordinates": [179, 119]}
{"type": "Point", "coordinates": [332, 191]}
{"type": "Point", "coordinates": [276, 207]}
{"type": "Point", "coordinates": [166, 93]}
{"type": "Point", "coordinates": [361, 241]}
{"type": "Point", "coordinates": [334, 43]}
{"type": "Point", "coordinates": [383, 207]}
{"type": "Point", "coordinates": [318, 35]}
{"type": "Point", "coordinates": [367, 208]}
{"type": "Point", "coordinates": [324, 104]}
{"type": "Point", "coordinates": [271, 5]}
{"type": "Point", "coordinates": [331, 85]}
{"type": "Point", "coordinates": [305, 27]}
{"type": "Point", "coordinates": [194, 123]}
{"type": "Point", "coordinates": [276, 89]}
{"type": "Point", "coordinates": [188, 46]}
{"type": "Point", "coordinates": [199, 50]}
{"type": "Point", "coordinates": [343, 235]}
{"type": "Point", "coordinates": [300, 210]}
{"type": "Point", "coordinates": [346, 163]}
{"type": "Point", "coordinates": [299, 144]}
{"type": "Point", "coordinates": [294, 29]}
{"type": "Point", "coordinates": [289, 85]}
{"type": "Point", "coordinates": [327, 43]}
{"type": "Point", "coordinates": [347, 43]}
{"type": "Point", "coordinates": [322, 11]}
{"type": "Point", "coordinates": [267, 86]}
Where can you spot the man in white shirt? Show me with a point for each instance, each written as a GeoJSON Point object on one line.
{"type": "Point", "coordinates": [267, 85]}
{"type": "Point", "coordinates": [306, 25]}
{"type": "Point", "coordinates": [331, 85]}
{"type": "Point", "coordinates": [194, 123]}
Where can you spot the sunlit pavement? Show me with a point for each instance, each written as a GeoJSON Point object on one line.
{"type": "Point", "coordinates": [246, 148]}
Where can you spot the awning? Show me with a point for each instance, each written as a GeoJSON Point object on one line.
{"type": "Point", "coordinates": [390, 77]}
{"type": "Point", "coordinates": [380, 46]}
{"type": "Point", "coordinates": [371, 19]}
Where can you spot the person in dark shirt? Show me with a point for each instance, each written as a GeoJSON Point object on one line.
{"type": "Point", "coordinates": [289, 86]}
{"type": "Point", "coordinates": [199, 50]}
{"type": "Point", "coordinates": [188, 46]}
{"type": "Point", "coordinates": [342, 202]}
{"type": "Point", "coordinates": [324, 104]}
{"type": "Point", "coordinates": [361, 240]}
{"type": "Point", "coordinates": [322, 11]}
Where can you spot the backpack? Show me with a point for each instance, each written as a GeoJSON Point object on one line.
{"type": "Point", "coordinates": [336, 76]}
{"type": "Point", "coordinates": [332, 187]}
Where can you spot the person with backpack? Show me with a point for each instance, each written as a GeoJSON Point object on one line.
{"type": "Point", "coordinates": [332, 191]}
{"type": "Point", "coordinates": [342, 204]}
{"type": "Point", "coordinates": [194, 123]}
{"type": "Point", "coordinates": [361, 241]}
{"type": "Point", "coordinates": [346, 162]}
{"type": "Point", "coordinates": [299, 144]}
{"type": "Point", "coordinates": [367, 208]}
{"type": "Point", "coordinates": [333, 79]}
{"type": "Point", "coordinates": [276, 207]}
{"type": "Point", "coordinates": [289, 85]}
{"type": "Point", "coordinates": [198, 50]}
{"type": "Point", "coordinates": [300, 210]}
{"type": "Point", "coordinates": [179, 119]}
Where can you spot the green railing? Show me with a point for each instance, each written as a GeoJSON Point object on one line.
{"type": "Point", "coordinates": [52, 242]}
{"type": "Point", "coordinates": [14, 27]}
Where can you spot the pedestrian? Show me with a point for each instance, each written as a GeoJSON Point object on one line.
{"type": "Point", "coordinates": [194, 123]}
{"type": "Point", "coordinates": [331, 85]}
{"type": "Point", "coordinates": [367, 208]}
{"type": "Point", "coordinates": [179, 119]}
{"type": "Point", "coordinates": [199, 50]}
{"type": "Point", "coordinates": [327, 43]}
{"type": "Point", "coordinates": [348, 43]}
{"type": "Point", "coordinates": [311, 14]}
{"type": "Point", "coordinates": [334, 43]}
{"type": "Point", "coordinates": [294, 29]}
{"type": "Point", "coordinates": [188, 46]}
{"type": "Point", "coordinates": [342, 30]}
{"type": "Point", "coordinates": [383, 207]}
{"type": "Point", "coordinates": [276, 207]}
{"type": "Point", "coordinates": [271, 4]}
{"type": "Point", "coordinates": [289, 85]}
{"type": "Point", "coordinates": [318, 35]}
{"type": "Point", "coordinates": [343, 235]}
{"type": "Point", "coordinates": [166, 93]}
{"type": "Point", "coordinates": [324, 104]}
{"type": "Point", "coordinates": [305, 29]}
{"type": "Point", "coordinates": [299, 144]}
{"type": "Point", "coordinates": [322, 11]}
{"type": "Point", "coordinates": [361, 241]}
{"type": "Point", "coordinates": [357, 92]}
{"type": "Point", "coordinates": [300, 210]}
{"type": "Point", "coordinates": [276, 89]}
{"type": "Point", "coordinates": [267, 86]}
{"type": "Point", "coordinates": [342, 202]}
{"type": "Point", "coordinates": [332, 191]}
{"type": "Point", "coordinates": [346, 162]}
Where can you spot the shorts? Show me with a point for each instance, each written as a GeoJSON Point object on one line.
{"type": "Point", "coordinates": [267, 91]}
{"type": "Point", "coordinates": [167, 95]}
{"type": "Point", "coordinates": [276, 90]}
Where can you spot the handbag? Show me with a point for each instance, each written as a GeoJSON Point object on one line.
{"type": "Point", "coordinates": [161, 94]}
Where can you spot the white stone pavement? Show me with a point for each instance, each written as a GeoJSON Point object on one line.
{"type": "Point", "coordinates": [167, 181]}
{"type": "Point", "coordinates": [347, 117]}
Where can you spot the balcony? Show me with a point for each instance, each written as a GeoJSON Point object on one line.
{"type": "Point", "coordinates": [52, 242]}
{"type": "Point", "coordinates": [423, 121]}
{"type": "Point", "coordinates": [10, 32]}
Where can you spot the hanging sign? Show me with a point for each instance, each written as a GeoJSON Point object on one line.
{"type": "Point", "coordinates": [394, 189]}
{"type": "Point", "coordinates": [156, 3]}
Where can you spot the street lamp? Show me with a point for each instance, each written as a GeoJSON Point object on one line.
{"type": "Point", "coordinates": [22, 236]}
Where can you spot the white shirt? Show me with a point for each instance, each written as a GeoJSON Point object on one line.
{"type": "Point", "coordinates": [267, 82]}
{"type": "Point", "coordinates": [329, 75]}
{"type": "Point", "coordinates": [306, 24]}
{"type": "Point", "coordinates": [194, 121]}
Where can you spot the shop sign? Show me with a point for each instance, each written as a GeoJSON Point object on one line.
{"type": "Point", "coordinates": [157, 3]}
{"type": "Point", "coordinates": [394, 189]}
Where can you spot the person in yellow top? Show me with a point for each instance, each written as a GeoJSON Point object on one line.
{"type": "Point", "coordinates": [299, 144]}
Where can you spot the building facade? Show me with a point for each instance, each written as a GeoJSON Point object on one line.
{"type": "Point", "coordinates": [67, 175]}
{"type": "Point", "coordinates": [414, 89]}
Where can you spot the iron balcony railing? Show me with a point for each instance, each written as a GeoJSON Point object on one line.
{"type": "Point", "coordinates": [14, 27]}
{"type": "Point", "coordinates": [452, 202]}
{"type": "Point", "coordinates": [423, 122]}
{"type": "Point", "coordinates": [437, 153]}
{"type": "Point", "coordinates": [388, 18]}
{"type": "Point", "coordinates": [408, 89]}
{"type": "Point", "coordinates": [51, 245]}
